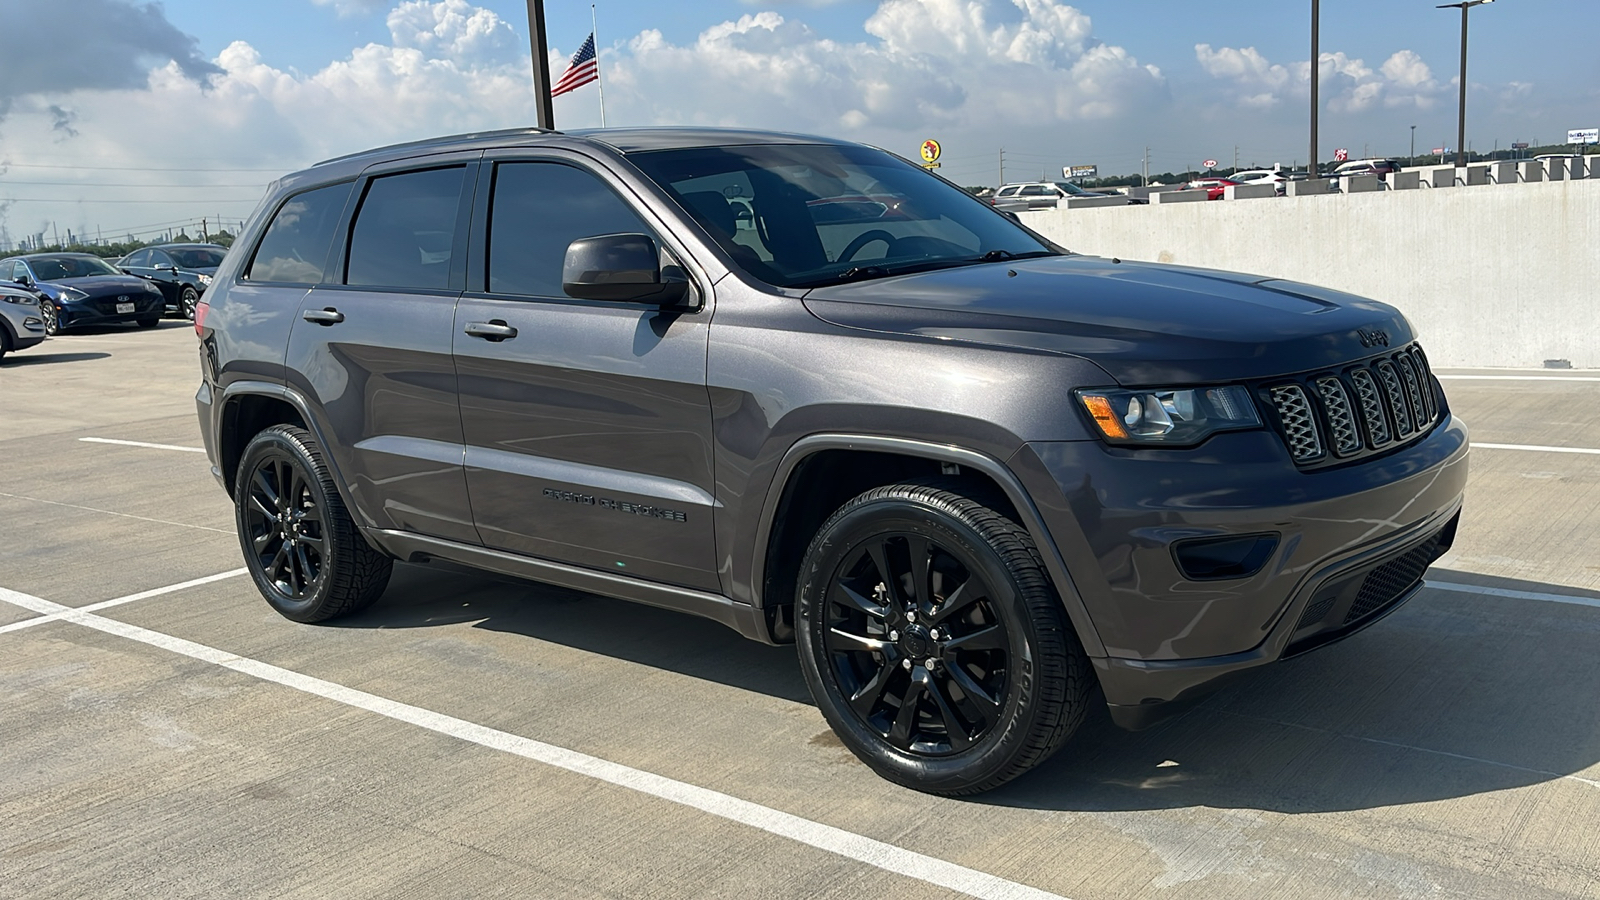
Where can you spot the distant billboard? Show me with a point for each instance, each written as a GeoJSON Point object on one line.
{"type": "Point", "coordinates": [1073, 173]}
{"type": "Point", "coordinates": [1520, 145]}
{"type": "Point", "coordinates": [1584, 136]}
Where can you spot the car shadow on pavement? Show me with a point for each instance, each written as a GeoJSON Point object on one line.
{"type": "Point", "coordinates": [26, 358]}
{"type": "Point", "coordinates": [1453, 695]}
{"type": "Point", "coordinates": [421, 596]}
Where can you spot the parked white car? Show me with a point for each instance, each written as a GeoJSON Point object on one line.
{"type": "Point", "coordinates": [1275, 177]}
{"type": "Point", "coordinates": [20, 324]}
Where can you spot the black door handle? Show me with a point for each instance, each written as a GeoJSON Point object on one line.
{"type": "Point", "coordinates": [328, 316]}
{"type": "Point", "coordinates": [495, 331]}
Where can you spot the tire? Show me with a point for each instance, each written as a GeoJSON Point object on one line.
{"type": "Point", "coordinates": [47, 312]}
{"type": "Point", "coordinates": [995, 674]}
{"type": "Point", "coordinates": [305, 554]}
{"type": "Point", "coordinates": [149, 323]}
{"type": "Point", "coordinates": [188, 299]}
{"type": "Point", "coordinates": [5, 341]}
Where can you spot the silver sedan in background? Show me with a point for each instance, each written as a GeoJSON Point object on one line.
{"type": "Point", "coordinates": [20, 324]}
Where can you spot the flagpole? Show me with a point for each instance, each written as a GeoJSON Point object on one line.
{"type": "Point", "coordinates": [598, 81]}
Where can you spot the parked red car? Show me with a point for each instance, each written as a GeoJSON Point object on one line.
{"type": "Point", "coordinates": [1214, 187]}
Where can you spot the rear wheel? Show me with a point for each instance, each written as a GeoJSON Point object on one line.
{"type": "Point", "coordinates": [934, 643]}
{"type": "Point", "coordinates": [305, 554]}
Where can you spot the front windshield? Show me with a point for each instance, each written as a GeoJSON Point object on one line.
{"type": "Point", "coordinates": [55, 268]}
{"type": "Point", "coordinates": [799, 215]}
{"type": "Point", "coordinates": [196, 257]}
{"type": "Point", "coordinates": [1070, 188]}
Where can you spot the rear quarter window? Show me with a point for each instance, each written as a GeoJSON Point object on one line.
{"type": "Point", "coordinates": [294, 249]}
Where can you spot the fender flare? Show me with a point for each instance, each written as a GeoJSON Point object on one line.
{"type": "Point", "coordinates": [289, 395]}
{"type": "Point", "coordinates": [797, 453]}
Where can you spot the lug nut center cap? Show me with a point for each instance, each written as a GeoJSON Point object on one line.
{"type": "Point", "coordinates": [915, 641]}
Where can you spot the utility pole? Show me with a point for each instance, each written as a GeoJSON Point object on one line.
{"type": "Point", "coordinates": [1316, 80]}
{"type": "Point", "coordinates": [1413, 143]}
{"type": "Point", "coordinates": [1147, 167]}
{"type": "Point", "coordinates": [541, 65]}
{"type": "Point", "coordinates": [1002, 168]}
{"type": "Point", "coordinates": [1236, 159]}
{"type": "Point", "coordinates": [1461, 120]}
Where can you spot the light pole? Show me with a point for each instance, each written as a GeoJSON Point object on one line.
{"type": "Point", "coordinates": [1461, 133]}
{"type": "Point", "coordinates": [1316, 78]}
{"type": "Point", "coordinates": [1413, 142]}
{"type": "Point", "coordinates": [543, 107]}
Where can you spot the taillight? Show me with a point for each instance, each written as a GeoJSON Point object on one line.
{"type": "Point", "coordinates": [200, 310]}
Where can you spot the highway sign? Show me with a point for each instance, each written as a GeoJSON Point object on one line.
{"type": "Point", "coordinates": [1584, 136]}
{"type": "Point", "coordinates": [1341, 155]}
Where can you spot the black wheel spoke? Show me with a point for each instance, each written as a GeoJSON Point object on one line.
{"type": "Point", "coordinates": [261, 540]}
{"type": "Point", "coordinates": [267, 490]}
{"type": "Point", "coordinates": [879, 551]}
{"type": "Point", "coordinates": [905, 720]}
{"type": "Point", "coordinates": [307, 574]}
{"type": "Point", "coordinates": [991, 637]}
{"type": "Point", "coordinates": [969, 592]}
{"type": "Point", "coordinates": [954, 728]}
{"type": "Point", "coordinates": [260, 507]}
{"type": "Point", "coordinates": [840, 640]}
{"type": "Point", "coordinates": [867, 699]}
{"type": "Point", "coordinates": [921, 565]}
{"type": "Point", "coordinates": [274, 569]}
{"type": "Point", "coordinates": [850, 597]}
{"type": "Point", "coordinates": [988, 707]}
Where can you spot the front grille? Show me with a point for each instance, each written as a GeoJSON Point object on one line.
{"type": "Point", "coordinates": [1331, 417]}
{"type": "Point", "coordinates": [1388, 582]}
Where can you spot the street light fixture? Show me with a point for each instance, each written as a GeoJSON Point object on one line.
{"type": "Point", "coordinates": [1461, 134]}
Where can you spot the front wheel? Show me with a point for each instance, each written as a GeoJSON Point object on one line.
{"type": "Point", "coordinates": [52, 322]}
{"type": "Point", "coordinates": [188, 299]}
{"type": "Point", "coordinates": [933, 642]}
{"type": "Point", "coordinates": [305, 554]}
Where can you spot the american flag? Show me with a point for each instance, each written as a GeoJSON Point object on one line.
{"type": "Point", "coordinates": [583, 69]}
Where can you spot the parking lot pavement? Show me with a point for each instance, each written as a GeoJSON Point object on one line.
{"type": "Point", "coordinates": [471, 736]}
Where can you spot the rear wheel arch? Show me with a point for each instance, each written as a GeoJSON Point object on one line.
{"type": "Point", "coordinates": [821, 473]}
{"type": "Point", "coordinates": [244, 416]}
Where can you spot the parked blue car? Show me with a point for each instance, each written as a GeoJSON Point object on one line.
{"type": "Point", "coordinates": [76, 289]}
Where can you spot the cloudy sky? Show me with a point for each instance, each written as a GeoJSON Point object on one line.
{"type": "Point", "coordinates": [119, 117]}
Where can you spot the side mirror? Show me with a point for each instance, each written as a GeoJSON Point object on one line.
{"type": "Point", "coordinates": [125, 270]}
{"type": "Point", "coordinates": [625, 267]}
{"type": "Point", "coordinates": [24, 280]}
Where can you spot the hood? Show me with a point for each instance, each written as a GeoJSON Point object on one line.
{"type": "Point", "coordinates": [102, 285]}
{"type": "Point", "coordinates": [1145, 324]}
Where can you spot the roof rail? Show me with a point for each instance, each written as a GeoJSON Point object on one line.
{"type": "Point", "coordinates": [441, 141]}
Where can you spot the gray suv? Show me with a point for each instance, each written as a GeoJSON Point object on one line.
{"type": "Point", "coordinates": [813, 392]}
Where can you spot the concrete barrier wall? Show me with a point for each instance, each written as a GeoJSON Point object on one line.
{"type": "Point", "coordinates": [1489, 277]}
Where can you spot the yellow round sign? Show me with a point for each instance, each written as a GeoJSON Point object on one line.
{"type": "Point", "coordinates": [930, 151]}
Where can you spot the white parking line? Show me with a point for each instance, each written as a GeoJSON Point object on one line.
{"type": "Point", "coordinates": [1459, 588]}
{"type": "Point", "coordinates": [114, 513]}
{"type": "Point", "coordinates": [95, 440]}
{"type": "Point", "coordinates": [1532, 448]}
{"type": "Point", "coordinates": [1516, 378]}
{"type": "Point", "coordinates": [848, 844]}
{"type": "Point", "coordinates": [104, 604]}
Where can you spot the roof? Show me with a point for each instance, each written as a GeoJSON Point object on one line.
{"type": "Point", "coordinates": [625, 140]}
{"type": "Point", "coordinates": [185, 245]}
{"type": "Point", "coordinates": [52, 254]}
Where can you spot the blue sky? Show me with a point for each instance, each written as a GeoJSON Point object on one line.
{"type": "Point", "coordinates": [269, 87]}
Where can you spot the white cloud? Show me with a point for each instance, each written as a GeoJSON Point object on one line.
{"type": "Point", "coordinates": [454, 30]}
{"type": "Point", "coordinates": [347, 8]}
{"type": "Point", "coordinates": [1347, 84]}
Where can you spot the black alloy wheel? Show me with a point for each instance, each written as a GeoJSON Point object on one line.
{"type": "Point", "coordinates": [305, 554]}
{"type": "Point", "coordinates": [188, 299]}
{"type": "Point", "coordinates": [47, 312]}
{"type": "Point", "coordinates": [933, 642]}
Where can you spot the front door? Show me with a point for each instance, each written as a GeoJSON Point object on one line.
{"type": "Point", "coordinates": [587, 424]}
{"type": "Point", "coordinates": [373, 352]}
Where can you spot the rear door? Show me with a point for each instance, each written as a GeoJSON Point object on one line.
{"type": "Point", "coordinates": [588, 432]}
{"type": "Point", "coordinates": [371, 347]}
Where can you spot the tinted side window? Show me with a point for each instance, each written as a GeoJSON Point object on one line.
{"type": "Point", "coordinates": [295, 247]}
{"type": "Point", "coordinates": [405, 229]}
{"type": "Point", "coordinates": [537, 210]}
{"type": "Point", "coordinates": [1034, 190]}
{"type": "Point", "coordinates": [159, 258]}
{"type": "Point", "coordinates": [137, 258]}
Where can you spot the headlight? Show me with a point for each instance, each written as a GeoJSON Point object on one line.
{"type": "Point", "coordinates": [20, 299]}
{"type": "Point", "coordinates": [205, 280]}
{"type": "Point", "coordinates": [151, 287]}
{"type": "Point", "coordinates": [1175, 416]}
{"type": "Point", "coordinates": [70, 294]}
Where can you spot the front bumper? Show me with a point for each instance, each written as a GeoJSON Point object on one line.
{"type": "Point", "coordinates": [102, 311]}
{"type": "Point", "coordinates": [1116, 516]}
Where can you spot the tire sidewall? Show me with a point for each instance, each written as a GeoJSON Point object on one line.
{"type": "Point", "coordinates": [271, 442]}
{"type": "Point", "coordinates": [188, 299]}
{"type": "Point", "coordinates": [834, 544]}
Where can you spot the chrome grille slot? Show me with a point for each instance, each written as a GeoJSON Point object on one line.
{"type": "Point", "coordinates": [1408, 374]}
{"type": "Point", "coordinates": [1346, 438]}
{"type": "Point", "coordinates": [1395, 393]}
{"type": "Point", "coordinates": [1371, 407]}
{"type": "Point", "coordinates": [1299, 424]}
